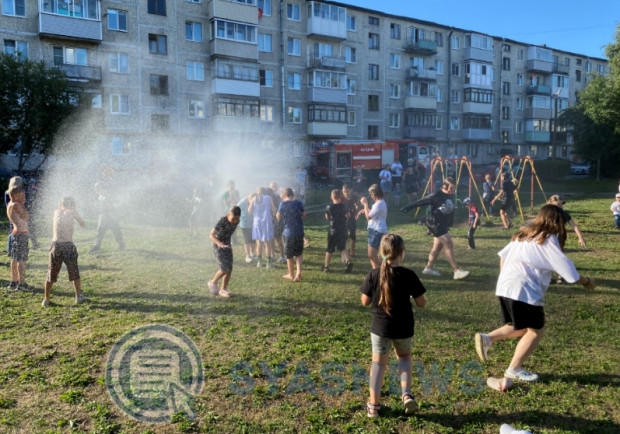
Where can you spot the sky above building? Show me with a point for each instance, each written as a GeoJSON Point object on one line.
{"type": "Point", "coordinates": [578, 26]}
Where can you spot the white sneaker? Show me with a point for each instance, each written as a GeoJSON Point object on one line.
{"type": "Point", "coordinates": [45, 302]}
{"type": "Point", "coordinates": [431, 272]}
{"type": "Point", "coordinates": [80, 299]}
{"type": "Point", "coordinates": [482, 345]}
{"type": "Point", "coordinates": [460, 274]}
{"type": "Point", "coordinates": [248, 259]}
{"type": "Point", "coordinates": [522, 375]}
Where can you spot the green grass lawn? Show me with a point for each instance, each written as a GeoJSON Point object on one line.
{"type": "Point", "coordinates": [292, 357]}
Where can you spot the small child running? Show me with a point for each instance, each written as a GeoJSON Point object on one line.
{"type": "Point", "coordinates": [615, 209]}
{"type": "Point", "coordinates": [474, 222]}
{"type": "Point", "coordinates": [336, 213]}
{"type": "Point", "coordinates": [63, 250]}
{"type": "Point", "coordinates": [18, 249]}
{"type": "Point", "coordinates": [221, 236]}
{"type": "Point", "coordinates": [389, 289]}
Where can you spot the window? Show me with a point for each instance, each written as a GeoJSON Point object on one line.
{"type": "Point", "coordinates": [394, 31]}
{"type": "Point", "coordinates": [160, 123]}
{"type": "Point", "coordinates": [197, 109]}
{"type": "Point", "coordinates": [588, 67]}
{"type": "Point", "coordinates": [96, 101]}
{"type": "Point", "coordinates": [439, 95]}
{"type": "Point", "coordinates": [236, 70]}
{"type": "Point", "coordinates": [373, 21]}
{"type": "Point", "coordinates": [394, 90]}
{"type": "Point", "coordinates": [567, 61]}
{"type": "Point", "coordinates": [506, 88]}
{"type": "Point", "coordinates": [395, 61]}
{"type": "Point", "coordinates": [505, 136]}
{"type": "Point", "coordinates": [351, 23]}
{"type": "Point", "coordinates": [438, 122]}
{"type": "Point", "coordinates": [416, 62]}
{"type": "Point", "coordinates": [578, 62]}
{"type": "Point", "coordinates": [119, 104]}
{"type": "Point", "coordinates": [15, 8]}
{"type": "Point", "coordinates": [265, 42]}
{"type": "Point", "coordinates": [16, 48]}
{"type": "Point", "coordinates": [120, 146]}
{"type": "Point", "coordinates": [456, 97]}
{"type": "Point", "coordinates": [234, 31]}
{"type": "Point", "coordinates": [294, 47]}
{"type": "Point", "coordinates": [423, 88]}
{"type": "Point", "coordinates": [157, 7]}
{"type": "Point", "coordinates": [351, 86]}
{"type": "Point", "coordinates": [327, 113]}
{"type": "Point", "coordinates": [439, 39]}
{"type": "Point", "coordinates": [294, 81]}
{"type": "Point", "coordinates": [600, 69]}
{"type": "Point", "coordinates": [373, 41]}
{"type": "Point", "coordinates": [519, 127]}
{"type": "Point", "coordinates": [506, 63]}
{"type": "Point", "coordinates": [477, 74]}
{"type": "Point", "coordinates": [327, 79]}
{"type": "Point", "coordinates": [561, 81]}
{"type": "Point", "coordinates": [293, 12]}
{"type": "Point", "coordinates": [238, 107]}
{"type": "Point", "coordinates": [266, 113]}
{"type": "Point", "coordinates": [373, 103]}
{"type": "Point", "coordinates": [373, 132]}
{"type": "Point", "coordinates": [266, 77]}
{"type": "Point", "coordinates": [117, 20]}
{"type": "Point", "coordinates": [294, 115]}
{"type": "Point", "coordinates": [264, 7]}
{"type": "Point", "coordinates": [439, 66]}
{"type": "Point", "coordinates": [194, 1]}
{"type": "Point", "coordinates": [484, 96]}
{"type": "Point", "coordinates": [479, 41]}
{"type": "Point", "coordinates": [394, 120]}
{"type": "Point", "coordinates": [505, 112]}
{"type": "Point", "coordinates": [506, 48]}
{"type": "Point", "coordinates": [158, 44]}
{"type": "Point", "coordinates": [351, 118]}
{"type": "Point", "coordinates": [119, 63]}
{"type": "Point", "coordinates": [195, 71]}
{"type": "Point", "coordinates": [456, 69]}
{"type": "Point", "coordinates": [519, 103]}
{"type": "Point", "coordinates": [456, 43]}
{"type": "Point", "coordinates": [578, 75]}
{"type": "Point", "coordinates": [454, 123]}
{"type": "Point", "coordinates": [476, 121]}
{"type": "Point", "coordinates": [520, 54]}
{"type": "Point", "coordinates": [158, 84]}
{"type": "Point", "coordinates": [350, 55]}
{"type": "Point", "coordinates": [373, 71]}
{"type": "Point", "coordinates": [193, 31]}
{"type": "Point", "coordinates": [520, 79]}
{"type": "Point", "coordinates": [322, 49]}
{"type": "Point", "coordinates": [70, 56]}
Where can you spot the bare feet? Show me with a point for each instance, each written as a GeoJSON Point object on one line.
{"type": "Point", "coordinates": [289, 277]}
{"type": "Point", "coordinates": [297, 278]}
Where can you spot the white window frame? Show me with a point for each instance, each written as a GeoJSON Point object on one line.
{"type": "Point", "coordinates": [116, 14]}
{"type": "Point", "coordinates": [394, 120]}
{"type": "Point", "coordinates": [294, 115]}
{"type": "Point", "coordinates": [456, 43]}
{"type": "Point", "coordinates": [394, 61]}
{"type": "Point", "coordinates": [455, 98]}
{"type": "Point", "coordinates": [439, 66]}
{"type": "Point", "coordinates": [293, 12]}
{"type": "Point", "coordinates": [455, 123]}
{"type": "Point", "coordinates": [293, 47]}
{"type": "Point", "coordinates": [394, 91]}
{"type": "Point", "coordinates": [196, 31]}
{"type": "Point", "coordinates": [294, 80]}
{"type": "Point", "coordinates": [350, 55]}
{"type": "Point", "coordinates": [266, 113]}
{"type": "Point", "coordinates": [16, 48]}
{"type": "Point", "coordinates": [118, 62]}
{"type": "Point", "coordinates": [119, 104]}
{"type": "Point", "coordinates": [351, 23]}
{"type": "Point", "coordinates": [265, 6]}
{"type": "Point", "coordinates": [351, 118]}
{"type": "Point", "coordinates": [268, 77]}
{"type": "Point", "coordinates": [232, 31]}
{"type": "Point", "coordinates": [195, 71]}
{"type": "Point", "coordinates": [265, 42]}
{"type": "Point", "coordinates": [14, 8]}
{"type": "Point", "coordinates": [197, 107]}
{"type": "Point", "coordinates": [351, 85]}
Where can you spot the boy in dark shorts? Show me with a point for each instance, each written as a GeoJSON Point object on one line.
{"type": "Point", "coordinates": [336, 214]}
{"type": "Point", "coordinates": [221, 236]}
{"type": "Point", "coordinates": [353, 204]}
{"type": "Point", "coordinates": [507, 195]}
{"type": "Point", "coordinates": [291, 213]}
{"type": "Point", "coordinates": [63, 250]}
{"type": "Point", "coordinates": [18, 249]}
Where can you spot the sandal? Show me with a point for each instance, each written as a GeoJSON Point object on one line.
{"type": "Point", "coordinates": [372, 410]}
{"type": "Point", "coordinates": [410, 405]}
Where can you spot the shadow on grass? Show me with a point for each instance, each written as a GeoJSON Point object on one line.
{"type": "Point", "coordinates": [601, 379]}
{"type": "Point", "coordinates": [539, 419]}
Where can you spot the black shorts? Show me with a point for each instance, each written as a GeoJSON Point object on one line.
{"type": "Point", "coordinates": [224, 258]}
{"type": "Point", "coordinates": [522, 315]}
{"type": "Point", "coordinates": [278, 228]}
{"type": "Point", "coordinates": [507, 204]}
{"type": "Point", "coordinates": [336, 240]}
{"type": "Point", "coordinates": [352, 228]}
{"type": "Point", "coordinates": [18, 248]}
{"type": "Point", "coordinates": [293, 246]}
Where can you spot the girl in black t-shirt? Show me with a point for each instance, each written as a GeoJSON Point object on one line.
{"type": "Point", "coordinates": [388, 289]}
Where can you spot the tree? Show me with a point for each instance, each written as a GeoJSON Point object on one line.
{"type": "Point", "coordinates": [34, 103]}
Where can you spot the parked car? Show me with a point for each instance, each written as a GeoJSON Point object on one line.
{"type": "Point", "coordinates": [580, 168]}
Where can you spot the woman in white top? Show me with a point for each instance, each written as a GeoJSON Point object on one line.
{"type": "Point", "coordinates": [527, 263]}
{"type": "Point", "coordinates": [377, 225]}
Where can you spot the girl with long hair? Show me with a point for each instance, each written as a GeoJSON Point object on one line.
{"type": "Point", "coordinates": [389, 289]}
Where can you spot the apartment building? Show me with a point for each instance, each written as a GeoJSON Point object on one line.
{"type": "Point", "coordinates": [191, 75]}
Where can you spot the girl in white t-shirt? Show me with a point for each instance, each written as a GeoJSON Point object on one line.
{"type": "Point", "coordinates": [527, 263]}
{"type": "Point", "coordinates": [377, 225]}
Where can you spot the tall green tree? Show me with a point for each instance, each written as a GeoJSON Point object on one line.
{"type": "Point", "coordinates": [34, 102]}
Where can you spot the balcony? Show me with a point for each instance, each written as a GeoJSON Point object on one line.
{"type": "Point", "coordinates": [561, 69]}
{"type": "Point", "coordinates": [421, 74]}
{"type": "Point", "coordinates": [421, 102]}
{"type": "Point", "coordinates": [229, 48]}
{"type": "Point", "coordinates": [478, 54]}
{"type": "Point", "coordinates": [476, 134]}
{"type": "Point", "coordinates": [421, 46]}
{"type": "Point", "coordinates": [477, 107]}
{"type": "Point", "coordinates": [537, 136]}
{"type": "Point", "coordinates": [327, 95]}
{"type": "Point", "coordinates": [231, 86]}
{"type": "Point", "coordinates": [328, 62]}
{"type": "Point", "coordinates": [537, 113]}
{"type": "Point", "coordinates": [538, 89]}
{"type": "Point", "coordinates": [326, 20]}
{"type": "Point", "coordinates": [423, 132]}
{"type": "Point", "coordinates": [236, 124]}
{"type": "Point", "coordinates": [80, 73]}
{"type": "Point", "coordinates": [233, 11]}
{"type": "Point", "coordinates": [74, 28]}
{"type": "Point", "coordinates": [327, 129]}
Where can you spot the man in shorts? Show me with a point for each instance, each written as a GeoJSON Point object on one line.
{"type": "Point", "coordinates": [63, 250]}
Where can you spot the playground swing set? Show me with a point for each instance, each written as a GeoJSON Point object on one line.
{"type": "Point", "coordinates": [463, 165]}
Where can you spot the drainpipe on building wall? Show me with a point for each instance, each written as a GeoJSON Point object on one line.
{"type": "Point", "coordinates": [449, 96]}
{"type": "Point", "coordinates": [499, 102]}
{"type": "Point", "coordinates": [282, 87]}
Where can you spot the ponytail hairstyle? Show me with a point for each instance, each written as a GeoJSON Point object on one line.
{"type": "Point", "coordinates": [549, 221]}
{"type": "Point", "coordinates": [391, 248]}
